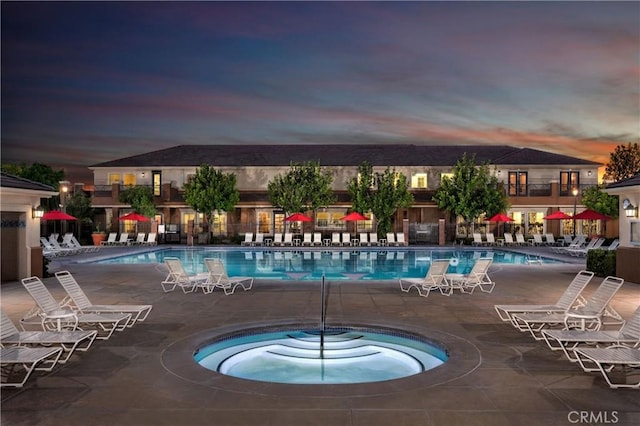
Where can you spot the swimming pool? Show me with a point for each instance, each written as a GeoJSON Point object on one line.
{"type": "Point", "coordinates": [335, 264]}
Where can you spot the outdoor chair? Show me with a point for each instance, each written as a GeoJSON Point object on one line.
{"type": "Point", "coordinates": [606, 360]}
{"type": "Point", "coordinates": [508, 239]}
{"type": "Point", "coordinates": [259, 239]}
{"type": "Point", "coordinates": [478, 277]}
{"type": "Point", "coordinates": [346, 239]}
{"type": "Point", "coordinates": [570, 340]}
{"type": "Point", "coordinates": [68, 341]}
{"type": "Point", "coordinates": [566, 301]}
{"type": "Point", "coordinates": [317, 239]}
{"type": "Point", "coordinates": [53, 316]}
{"type": "Point", "coordinates": [123, 240]}
{"type": "Point", "coordinates": [288, 239]}
{"type": "Point", "coordinates": [520, 240]}
{"type": "Point", "coordinates": [217, 278]}
{"type": "Point", "coordinates": [248, 239]}
{"type": "Point", "coordinates": [178, 277]}
{"type": "Point", "coordinates": [19, 362]}
{"type": "Point", "coordinates": [391, 239]}
{"type": "Point", "coordinates": [435, 279]}
{"type": "Point", "coordinates": [586, 317]}
{"type": "Point", "coordinates": [111, 239]}
{"type": "Point", "coordinates": [151, 239]}
{"type": "Point", "coordinates": [78, 301]}
{"type": "Point", "coordinates": [477, 239]}
{"type": "Point", "coordinates": [400, 239]}
{"type": "Point", "coordinates": [306, 239]}
{"type": "Point", "coordinates": [364, 239]}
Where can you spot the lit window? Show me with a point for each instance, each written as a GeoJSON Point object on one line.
{"type": "Point", "coordinates": [114, 178]}
{"type": "Point", "coordinates": [129, 179]}
{"type": "Point", "coordinates": [446, 175]}
{"type": "Point", "coordinates": [419, 180]}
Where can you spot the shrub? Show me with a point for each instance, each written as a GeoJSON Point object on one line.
{"type": "Point", "coordinates": [602, 262]}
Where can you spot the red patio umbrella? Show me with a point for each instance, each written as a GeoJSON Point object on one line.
{"type": "Point", "coordinates": [591, 215]}
{"type": "Point", "coordinates": [134, 216]}
{"type": "Point", "coordinates": [500, 217]}
{"type": "Point", "coordinates": [57, 215]}
{"type": "Point", "coordinates": [557, 216]}
{"type": "Point", "coordinates": [354, 217]}
{"type": "Point", "coordinates": [298, 217]}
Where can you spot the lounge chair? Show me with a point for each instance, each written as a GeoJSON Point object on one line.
{"type": "Point", "coordinates": [550, 240]}
{"type": "Point", "coordinates": [78, 301]}
{"type": "Point", "coordinates": [68, 341]}
{"type": "Point", "coordinates": [391, 239]}
{"type": "Point", "coordinates": [613, 246]}
{"type": "Point", "coordinates": [566, 301]}
{"type": "Point", "coordinates": [139, 238]}
{"type": "Point", "coordinates": [373, 239]}
{"type": "Point", "coordinates": [400, 241]}
{"type": "Point", "coordinates": [478, 277]}
{"type": "Point", "coordinates": [346, 239]}
{"type": "Point", "coordinates": [53, 243]}
{"type": "Point", "coordinates": [259, 239]}
{"type": "Point", "coordinates": [520, 240]}
{"type": "Point", "coordinates": [16, 358]}
{"type": "Point", "coordinates": [595, 243]}
{"type": "Point", "coordinates": [70, 241]}
{"type": "Point", "coordinates": [491, 239]}
{"type": "Point", "coordinates": [578, 242]}
{"type": "Point", "coordinates": [151, 239]}
{"type": "Point", "coordinates": [178, 277]}
{"type": "Point", "coordinates": [477, 239]}
{"type": "Point", "coordinates": [54, 316]}
{"type": "Point", "coordinates": [317, 239]}
{"type": "Point", "coordinates": [508, 239]}
{"type": "Point", "coordinates": [288, 239]}
{"type": "Point", "coordinates": [111, 239]}
{"type": "Point", "coordinates": [335, 239]}
{"type": "Point", "coordinates": [587, 317]}
{"type": "Point", "coordinates": [606, 360]}
{"type": "Point", "coordinates": [218, 278]}
{"type": "Point", "coordinates": [248, 239]}
{"type": "Point", "coordinates": [364, 239]}
{"type": "Point", "coordinates": [123, 240]}
{"type": "Point", "coordinates": [306, 239]}
{"type": "Point", "coordinates": [50, 251]}
{"type": "Point", "coordinates": [537, 240]}
{"type": "Point", "coordinates": [570, 340]}
{"type": "Point", "coordinates": [277, 239]}
{"type": "Point", "coordinates": [435, 279]}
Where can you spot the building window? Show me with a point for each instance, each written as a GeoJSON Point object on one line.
{"type": "Point", "coordinates": [517, 184]}
{"type": "Point", "coordinates": [419, 181]}
{"type": "Point", "coordinates": [568, 181]}
{"type": "Point", "coordinates": [114, 178]}
{"type": "Point", "coordinates": [156, 179]}
{"type": "Point", "coordinates": [129, 179]}
{"type": "Point", "coordinates": [219, 225]}
{"type": "Point", "coordinates": [264, 222]}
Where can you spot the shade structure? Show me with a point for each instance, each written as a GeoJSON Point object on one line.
{"type": "Point", "coordinates": [591, 215]}
{"type": "Point", "coordinates": [298, 217]}
{"type": "Point", "coordinates": [354, 216]}
{"type": "Point", "coordinates": [500, 217]}
{"type": "Point", "coordinates": [57, 215]}
{"type": "Point", "coordinates": [557, 216]}
{"type": "Point", "coordinates": [134, 216]}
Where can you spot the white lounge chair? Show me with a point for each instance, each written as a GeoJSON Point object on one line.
{"type": "Point", "coordinates": [567, 300]}
{"type": "Point", "coordinates": [520, 240]}
{"type": "Point", "coordinates": [400, 241]}
{"type": "Point", "coordinates": [373, 239]}
{"type": "Point", "coordinates": [594, 244]}
{"type": "Point", "coordinates": [123, 240]}
{"type": "Point", "coordinates": [111, 239]}
{"type": "Point", "coordinates": [613, 246]}
{"type": "Point", "coordinates": [70, 241]}
{"type": "Point", "coordinates": [248, 239]}
{"type": "Point", "coordinates": [391, 239]}
{"type": "Point", "coordinates": [317, 239]}
{"type": "Point", "coordinates": [54, 316]}
{"type": "Point", "coordinates": [306, 239]}
{"type": "Point", "coordinates": [606, 360]}
{"type": "Point", "coordinates": [477, 239]}
{"type": "Point", "coordinates": [578, 242]}
{"type": "Point", "coordinates": [259, 239]}
{"type": "Point", "coordinates": [140, 237]}
{"type": "Point", "coordinates": [550, 240]}
{"type": "Point", "coordinates": [570, 340]}
{"type": "Point", "coordinates": [288, 239]}
{"type": "Point", "coordinates": [49, 251]}
{"type": "Point", "coordinates": [587, 317]}
{"type": "Point", "coordinates": [491, 240]}
{"type": "Point", "coordinates": [16, 358]}
{"type": "Point", "coordinates": [335, 239]}
{"type": "Point", "coordinates": [218, 278]}
{"type": "Point", "coordinates": [151, 239]}
{"type": "Point", "coordinates": [478, 277]}
{"type": "Point", "coordinates": [346, 239]}
{"type": "Point", "coordinates": [68, 341]}
{"type": "Point", "coordinates": [178, 277]}
{"type": "Point", "coordinates": [508, 239]}
{"type": "Point", "coordinates": [435, 279]}
{"type": "Point", "coordinates": [55, 245]}
{"type": "Point", "coordinates": [277, 239]}
{"type": "Point", "coordinates": [537, 240]}
{"type": "Point", "coordinates": [364, 239]}
{"type": "Point", "coordinates": [78, 301]}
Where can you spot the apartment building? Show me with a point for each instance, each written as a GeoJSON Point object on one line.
{"type": "Point", "coordinates": [537, 183]}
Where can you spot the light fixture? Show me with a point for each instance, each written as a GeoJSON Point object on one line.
{"type": "Point", "coordinates": [37, 212]}
{"type": "Point", "coordinates": [142, 174]}
{"type": "Point", "coordinates": [589, 173]}
{"type": "Point", "coordinates": [629, 209]}
{"type": "Point", "coordinates": [575, 192]}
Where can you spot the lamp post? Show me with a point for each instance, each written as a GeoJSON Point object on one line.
{"type": "Point", "coordinates": [574, 191]}
{"type": "Point", "coordinates": [64, 189]}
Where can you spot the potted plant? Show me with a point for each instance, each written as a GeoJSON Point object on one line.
{"type": "Point", "coordinates": [98, 236]}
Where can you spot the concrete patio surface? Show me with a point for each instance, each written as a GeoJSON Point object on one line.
{"type": "Point", "coordinates": [146, 376]}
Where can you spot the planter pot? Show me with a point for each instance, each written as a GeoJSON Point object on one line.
{"type": "Point", "coordinates": [98, 238]}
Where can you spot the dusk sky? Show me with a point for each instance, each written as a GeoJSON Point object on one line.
{"type": "Point", "coordinates": [87, 82]}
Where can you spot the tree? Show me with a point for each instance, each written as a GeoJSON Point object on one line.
{"type": "Point", "coordinates": [361, 189]}
{"type": "Point", "coordinates": [391, 192]}
{"type": "Point", "coordinates": [42, 173]}
{"type": "Point", "coordinates": [471, 191]}
{"type": "Point", "coordinates": [623, 163]}
{"type": "Point", "coordinates": [596, 199]}
{"type": "Point", "coordinates": [140, 198]}
{"type": "Point", "coordinates": [306, 186]}
{"type": "Point", "coordinates": [211, 191]}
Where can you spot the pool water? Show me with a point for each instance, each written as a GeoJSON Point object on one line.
{"type": "Point", "coordinates": [357, 264]}
{"type": "Point", "coordinates": [347, 356]}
